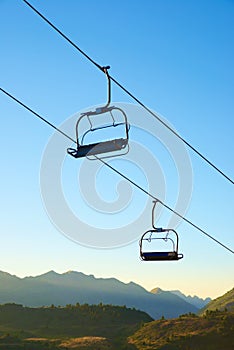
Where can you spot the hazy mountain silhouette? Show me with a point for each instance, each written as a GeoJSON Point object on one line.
{"type": "Point", "coordinates": [72, 287]}
{"type": "Point", "coordinates": [196, 301]}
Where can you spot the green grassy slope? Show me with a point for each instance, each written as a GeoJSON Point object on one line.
{"type": "Point", "coordinates": [226, 301]}
{"type": "Point", "coordinates": [214, 331]}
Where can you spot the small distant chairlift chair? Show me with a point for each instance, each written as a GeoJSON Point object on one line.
{"type": "Point", "coordinates": [152, 236]}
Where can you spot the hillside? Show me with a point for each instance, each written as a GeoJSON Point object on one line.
{"type": "Point", "coordinates": [72, 287]}
{"type": "Point", "coordinates": [226, 301]}
{"type": "Point", "coordinates": [107, 327]}
{"type": "Point", "coordinates": [214, 331]}
{"type": "Point", "coordinates": [104, 326]}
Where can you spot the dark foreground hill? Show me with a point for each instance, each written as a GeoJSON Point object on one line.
{"type": "Point", "coordinates": [80, 326]}
{"type": "Point", "coordinates": [72, 287]}
{"type": "Point", "coordinates": [214, 331]}
{"type": "Point", "coordinates": [226, 301]}
{"type": "Point", "coordinates": [107, 327]}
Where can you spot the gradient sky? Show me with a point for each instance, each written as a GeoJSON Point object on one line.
{"type": "Point", "coordinates": [175, 56]}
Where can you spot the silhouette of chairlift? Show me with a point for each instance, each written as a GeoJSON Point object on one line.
{"type": "Point", "coordinates": [118, 145]}
{"type": "Point", "coordinates": [153, 236]}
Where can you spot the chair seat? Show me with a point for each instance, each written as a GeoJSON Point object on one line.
{"type": "Point", "coordinates": [98, 148]}
{"type": "Point", "coordinates": [153, 256]}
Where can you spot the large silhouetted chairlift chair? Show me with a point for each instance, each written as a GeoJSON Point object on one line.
{"type": "Point", "coordinates": [113, 119]}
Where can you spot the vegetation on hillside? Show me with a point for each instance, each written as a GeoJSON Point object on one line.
{"type": "Point", "coordinates": [213, 331]}
{"type": "Point", "coordinates": [107, 327]}
{"type": "Point", "coordinates": [8, 342]}
{"type": "Point", "coordinates": [225, 302]}
{"type": "Point", "coordinates": [74, 326]}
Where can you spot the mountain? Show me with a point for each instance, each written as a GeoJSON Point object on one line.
{"type": "Point", "coordinates": [195, 300]}
{"type": "Point", "coordinates": [214, 332]}
{"type": "Point", "coordinates": [226, 301]}
{"type": "Point", "coordinates": [72, 287]}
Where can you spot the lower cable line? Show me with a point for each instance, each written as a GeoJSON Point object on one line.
{"type": "Point", "coordinates": [118, 172]}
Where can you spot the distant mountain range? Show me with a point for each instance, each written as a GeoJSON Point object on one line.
{"type": "Point", "coordinates": [196, 301]}
{"type": "Point", "coordinates": [72, 287]}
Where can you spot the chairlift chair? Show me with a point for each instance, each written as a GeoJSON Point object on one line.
{"type": "Point", "coordinates": [119, 145]}
{"type": "Point", "coordinates": [154, 235]}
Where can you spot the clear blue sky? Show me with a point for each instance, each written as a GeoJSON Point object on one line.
{"type": "Point", "coordinates": [177, 57]}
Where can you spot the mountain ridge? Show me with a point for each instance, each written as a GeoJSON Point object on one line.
{"type": "Point", "coordinates": [73, 286]}
{"type": "Point", "coordinates": [194, 300]}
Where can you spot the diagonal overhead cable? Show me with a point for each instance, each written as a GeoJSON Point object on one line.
{"type": "Point", "coordinates": [131, 95]}
{"type": "Point", "coordinates": [119, 173]}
